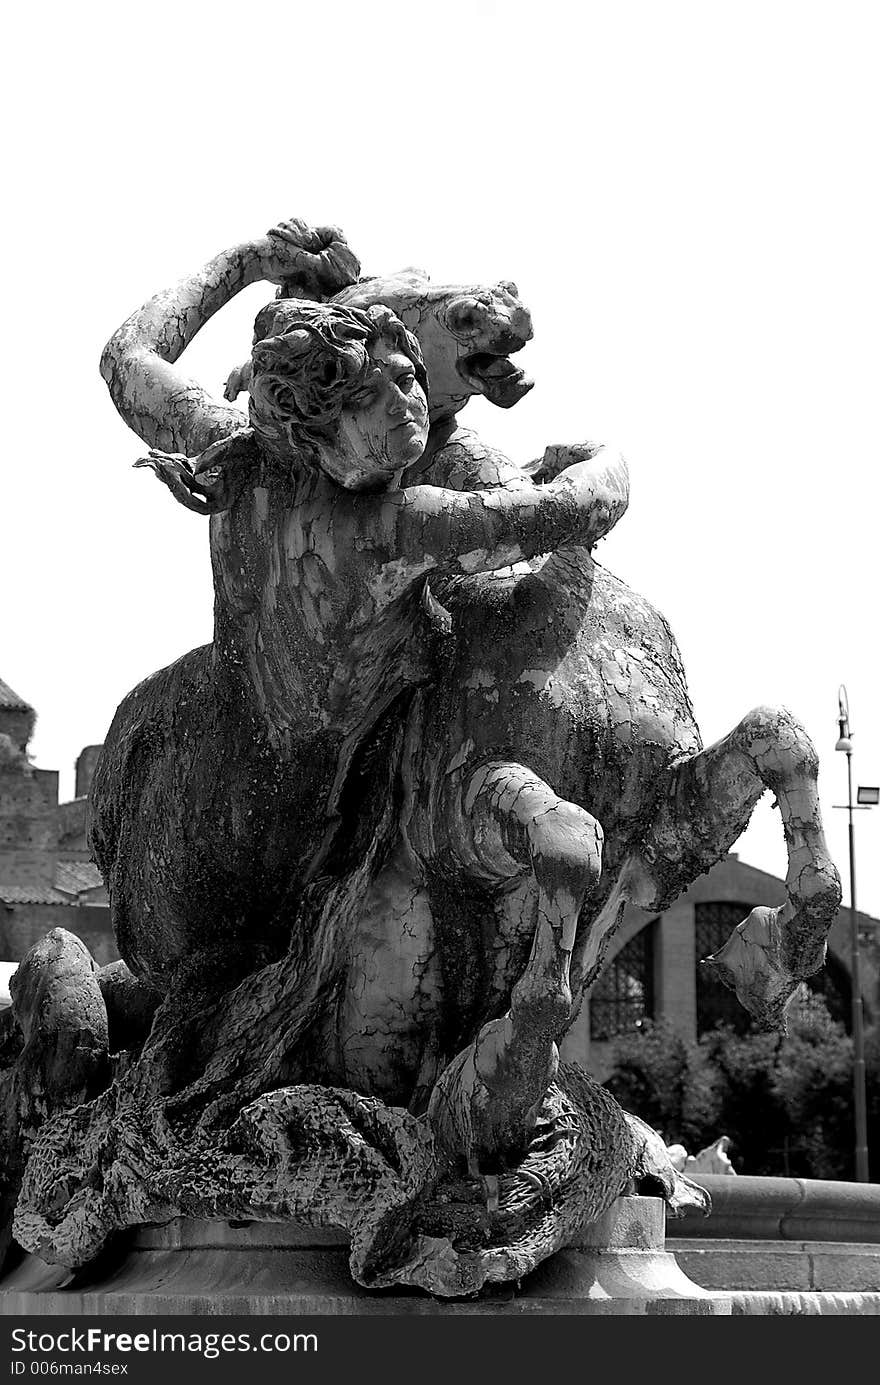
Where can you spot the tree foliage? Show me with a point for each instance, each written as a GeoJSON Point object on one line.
{"type": "Point", "coordinates": [786, 1102]}
{"type": "Point", "coordinates": [667, 1081]}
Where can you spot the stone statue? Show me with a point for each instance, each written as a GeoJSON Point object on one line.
{"type": "Point", "coordinates": [365, 851]}
{"type": "Point", "coordinates": [713, 1159]}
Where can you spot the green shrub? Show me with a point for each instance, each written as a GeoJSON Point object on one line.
{"type": "Point", "coordinates": [814, 1083]}
{"type": "Point", "coordinates": [749, 1108]}
{"type": "Point", "coordinates": [666, 1081]}
{"type": "Point", "coordinates": [786, 1103]}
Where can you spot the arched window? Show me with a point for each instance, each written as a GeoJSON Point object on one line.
{"type": "Point", "coordinates": [624, 994]}
{"type": "Point", "coordinates": [716, 1003]}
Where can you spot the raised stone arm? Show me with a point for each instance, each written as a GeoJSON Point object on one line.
{"type": "Point", "coordinates": [483, 530]}
{"type": "Point", "coordinates": [163, 406]}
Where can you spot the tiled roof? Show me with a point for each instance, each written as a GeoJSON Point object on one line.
{"type": "Point", "coordinates": [32, 894]}
{"type": "Point", "coordinates": [11, 701]}
{"type": "Point", "coordinates": [75, 877]}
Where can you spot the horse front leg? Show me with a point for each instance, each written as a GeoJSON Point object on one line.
{"type": "Point", "coordinates": [707, 804]}
{"type": "Point", "coordinates": [506, 823]}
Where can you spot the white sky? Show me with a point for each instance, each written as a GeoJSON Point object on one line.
{"type": "Point", "coordinates": [687, 196]}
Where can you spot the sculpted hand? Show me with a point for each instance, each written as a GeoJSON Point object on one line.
{"type": "Point", "coordinates": [307, 261]}
{"type": "Point", "coordinates": [558, 456]}
{"type": "Point", "coordinates": [211, 482]}
{"type": "Point", "coordinates": [175, 471]}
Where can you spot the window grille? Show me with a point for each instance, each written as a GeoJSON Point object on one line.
{"type": "Point", "coordinates": [624, 994]}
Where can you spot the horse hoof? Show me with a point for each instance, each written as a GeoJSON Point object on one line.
{"type": "Point", "coordinates": [751, 964]}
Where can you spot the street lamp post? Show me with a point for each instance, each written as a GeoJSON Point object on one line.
{"type": "Point", "coordinates": [844, 744]}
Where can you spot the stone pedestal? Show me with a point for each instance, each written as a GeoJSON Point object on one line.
{"type": "Point", "coordinates": [790, 1246]}
{"type": "Point", "coordinates": [619, 1266]}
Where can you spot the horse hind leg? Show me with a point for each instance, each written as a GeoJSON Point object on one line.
{"type": "Point", "coordinates": [507, 821]}
{"type": "Point", "coordinates": [708, 802]}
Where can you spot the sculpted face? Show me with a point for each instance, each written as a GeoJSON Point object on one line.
{"type": "Point", "coordinates": [379, 438]}
{"type": "Point", "coordinates": [468, 338]}
{"type": "Point", "coordinates": [467, 335]}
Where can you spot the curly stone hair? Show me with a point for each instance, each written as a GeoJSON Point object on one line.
{"type": "Point", "coordinates": [311, 362]}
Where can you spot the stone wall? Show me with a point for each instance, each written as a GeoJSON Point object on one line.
{"type": "Point", "coordinates": [72, 828]}
{"type": "Point", "coordinates": [17, 723]}
{"type": "Point", "coordinates": [86, 763]}
{"type": "Point", "coordinates": [28, 825]}
{"type": "Point", "coordinates": [21, 925]}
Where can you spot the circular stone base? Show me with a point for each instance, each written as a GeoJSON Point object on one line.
{"type": "Point", "coordinates": [618, 1266]}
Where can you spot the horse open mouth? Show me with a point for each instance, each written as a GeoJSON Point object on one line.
{"type": "Point", "coordinates": [502, 382]}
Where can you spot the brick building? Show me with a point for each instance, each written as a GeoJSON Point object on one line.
{"type": "Point", "coordinates": [46, 877]}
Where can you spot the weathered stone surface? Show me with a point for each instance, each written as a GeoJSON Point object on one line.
{"type": "Point", "coordinates": [768, 1304]}
{"type": "Point", "coordinates": [333, 1158]}
{"type": "Point", "coordinates": [53, 1052]}
{"type": "Point", "coordinates": [789, 1209]}
{"type": "Point", "coordinates": [826, 1266]}
{"type": "Point", "coordinates": [617, 1266]}
{"type": "Point", "coordinates": [786, 1246]}
{"type": "Point", "coordinates": [370, 844]}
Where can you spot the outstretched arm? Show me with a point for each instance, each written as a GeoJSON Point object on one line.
{"type": "Point", "coordinates": [483, 530]}
{"type": "Point", "coordinates": [163, 406]}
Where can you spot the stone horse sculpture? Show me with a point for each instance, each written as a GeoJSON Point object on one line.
{"type": "Point", "coordinates": [450, 747]}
